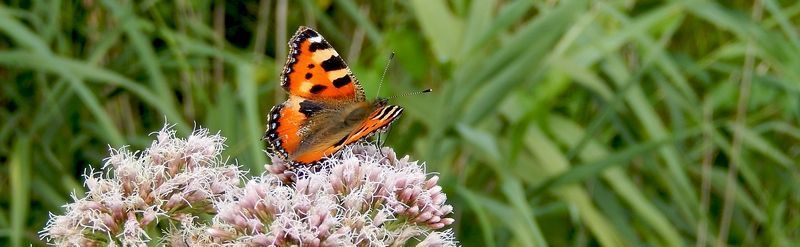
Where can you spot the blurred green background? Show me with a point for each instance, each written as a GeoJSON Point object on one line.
{"type": "Point", "coordinates": [563, 123]}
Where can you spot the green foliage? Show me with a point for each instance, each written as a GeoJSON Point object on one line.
{"type": "Point", "coordinates": [551, 122]}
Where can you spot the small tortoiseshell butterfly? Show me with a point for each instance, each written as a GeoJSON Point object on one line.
{"type": "Point", "coordinates": [326, 109]}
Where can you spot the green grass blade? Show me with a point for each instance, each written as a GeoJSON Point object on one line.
{"type": "Point", "coordinates": [508, 15]}
{"type": "Point", "coordinates": [527, 229]}
{"type": "Point", "coordinates": [762, 145]}
{"type": "Point", "coordinates": [132, 27]}
{"type": "Point", "coordinates": [441, 27]}
{"type": "Point", "coordinates": [351, 9]}
{"type": "Point", "coordinates": [484, 142]}
{"type": "Point", "coordinates": [553, 163]}
{"type": "Point", "coordinates": [252, 119]}
{"type": "Point", "coordinates": [596, 157]}
{"type": "Point", "coordinates": [69, 68]}
{"type": "Point", "coordinates": [20, 175]}
{"type": "Point", "coordinates": [21, 35]}
{"type": "Point", "coordinates": [511, 66]}
{"type": "Point", "coordinates": [483, 218]}
{"type": "Point", "coordinates": [479, 18]}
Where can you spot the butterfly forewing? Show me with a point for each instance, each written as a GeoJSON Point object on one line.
{"type": "Point", "coordinates": [378, 120]}
{"type": "Point", "coordinates": [314, 70]}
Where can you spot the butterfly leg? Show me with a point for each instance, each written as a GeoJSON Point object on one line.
{"type": "Point", "coordinates": [380, 144]}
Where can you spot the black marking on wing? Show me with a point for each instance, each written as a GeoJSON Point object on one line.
{"type": "Point", "coordinates": [319, 46]}
{"type": "Point", "coordinates": [383, 112]}
{"type": "Point", "coordinates": [396, 111]}
{"type": "Point", "coordinates": [342, 81]}
{"type": "Point", "coordinates": [308, 76]}
{"type": "Point", "coordinates": [309, 33]}
{"type": "Point", "coordinates": [317, 88]}
{"type": "Point", "coordinates": [333, 63]}
{"type": "Point", "coordinates": [390, 112]}
{"type": "Point", "coordinates": [309, 107]}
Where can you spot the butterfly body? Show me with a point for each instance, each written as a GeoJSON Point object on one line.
{"type": "Point", "coordinates": [326, 109]}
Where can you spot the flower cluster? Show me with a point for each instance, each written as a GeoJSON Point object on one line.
{"type": "Point", "coordinates": [169, 180]}
{"type": "Point", "coordinates": [364, 196]}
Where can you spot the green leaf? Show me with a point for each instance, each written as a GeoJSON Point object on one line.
{"type": "Point", "coordinates": [20, 179]}
{"type": "Point", "coordinates": [482, 141]}
{"type": "Point", "coordinates": [758, 143]}
{"type": "Point", "coordinates": [252, 120]}
{"type": "Point", "coordinates": [443, 30]}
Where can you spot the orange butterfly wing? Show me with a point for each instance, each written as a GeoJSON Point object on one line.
{"type": "Point", "coordinates": [314, 70]}
{"type": "Point", "coordinates": [283, 128]}
{"type": "Point", "coordinates": [378, 120]}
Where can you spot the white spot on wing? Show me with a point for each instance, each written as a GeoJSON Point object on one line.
{"type": "Point", "coordinates": [396, 113]}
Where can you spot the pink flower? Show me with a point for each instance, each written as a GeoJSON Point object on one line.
{"type": "Point", "coordinates": [362, 196]}
{"type": "Point", "coordinates": [170, 178]}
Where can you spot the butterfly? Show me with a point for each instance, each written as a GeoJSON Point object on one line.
{"type": "Point", "coordinates": [326, 109]}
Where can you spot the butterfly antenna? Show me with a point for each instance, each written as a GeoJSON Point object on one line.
{"type": "Point", "coordinates": [411, 93]}
{"type": "Point", "coordinates": [386, 68]}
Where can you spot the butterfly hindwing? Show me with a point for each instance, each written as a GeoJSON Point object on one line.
{"type": "Point", "coordinates": [285, 126]}
{"type": "Point", "coordinates": [314, 70]}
